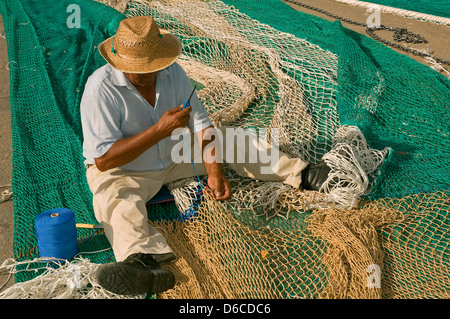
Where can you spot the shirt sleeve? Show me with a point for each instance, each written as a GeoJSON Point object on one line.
{"type": "Point", "coordinates": [100, 121]}
{"type": "Point", "coordinates": [199, 116]}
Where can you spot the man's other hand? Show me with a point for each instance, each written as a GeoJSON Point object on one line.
{"type": "Point", "coordinates": [173, 119]}
{"type": "Point", "coordinates": [219, 186]}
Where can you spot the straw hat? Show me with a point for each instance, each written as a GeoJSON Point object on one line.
{"type": "Point", "coordinates": [139, 46]}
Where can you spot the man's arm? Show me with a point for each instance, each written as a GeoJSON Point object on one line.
{"type": "Point", "coordinates": [128, 149]}
{"type": "Point", "coordinates": [217, 182]}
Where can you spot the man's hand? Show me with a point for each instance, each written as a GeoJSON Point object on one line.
{"type": "Point", "coordinates": [173, 119]}
{"type": "Point", "coordinates": [217, 183]}
{"type": "Point", "coordinates": [219, 186]}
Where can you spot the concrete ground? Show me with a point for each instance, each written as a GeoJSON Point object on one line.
{"type": "Point", "coordinates": [6, 208]}
{"type": "Point", "coordinates": [436, 35]}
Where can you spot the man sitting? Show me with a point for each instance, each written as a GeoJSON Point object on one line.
{"type": "Point", "coordinates": [129, 110]}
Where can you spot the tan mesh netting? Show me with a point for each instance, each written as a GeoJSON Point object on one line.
{"type": "Point", "coordinates": [328, 254]}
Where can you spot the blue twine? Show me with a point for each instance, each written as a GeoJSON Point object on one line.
{"type": "Point", "coordinates": [56, 233]}
{"type": "Point", "coordinates": [191, 211]}
{"type": "Point", "coordinates": [95, 233]}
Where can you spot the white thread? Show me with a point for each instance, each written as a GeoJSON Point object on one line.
{"type": "Point", "coordinates": [7, 65]}
{"type": "Point", "coordinates": [436, 66]}
{"type": "Point", "coordinates": [401, 12]}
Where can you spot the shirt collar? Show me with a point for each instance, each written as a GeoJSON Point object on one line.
{"type": "Point", "coordinates": [118, 78]}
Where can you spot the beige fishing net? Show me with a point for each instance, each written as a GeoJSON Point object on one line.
{"type": "Point", "coordinates": [321, 254]}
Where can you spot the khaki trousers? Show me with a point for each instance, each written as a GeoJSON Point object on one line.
{"type": "Point", "coordinates": [120, 196]}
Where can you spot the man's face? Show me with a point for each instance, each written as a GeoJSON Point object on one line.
{"type": "Point", "coordinates": [142, 80]}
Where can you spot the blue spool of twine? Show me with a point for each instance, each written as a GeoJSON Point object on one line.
{"type": "Point", "coordinates": [56, 233]}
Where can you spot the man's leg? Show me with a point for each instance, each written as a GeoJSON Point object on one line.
{"type": "Point", "coordinates": [183, 166]}
{"type": "Point", "coordinates": [252, 156]}
{"type": "Point", "coordinates": [119, 199]}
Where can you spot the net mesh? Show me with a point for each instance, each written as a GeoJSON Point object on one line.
{"type": "Point", "coordinates": [380, 230]}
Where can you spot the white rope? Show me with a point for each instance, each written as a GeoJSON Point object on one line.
{"type": "Point", "coordinates": [7, 64]}
{"type": "Point", "coordinates": [184, 193]}
{"type": "Point", "coordinates": [437, 66]}
{"type": "Point", "coordinates": [6, 194]}
{"type": "Point", "coordinates": [65, 280]}
{"type": "Point", "coordinates": [401, 12]}
{"type": "Point", "coordinates": [354, 167]}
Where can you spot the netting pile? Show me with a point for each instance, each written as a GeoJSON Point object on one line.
{"type": "Point", "coordinates": [380, 228]}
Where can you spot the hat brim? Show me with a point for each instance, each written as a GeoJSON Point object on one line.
{"type": "Point", "coordinates": [168, 52]}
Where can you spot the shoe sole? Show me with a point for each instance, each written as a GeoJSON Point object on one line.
{"type": "Point", "coordinates": [123, 279]}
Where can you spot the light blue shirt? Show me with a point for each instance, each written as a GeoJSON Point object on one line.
{"type": "Point", "coordinates": [112, 109]}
